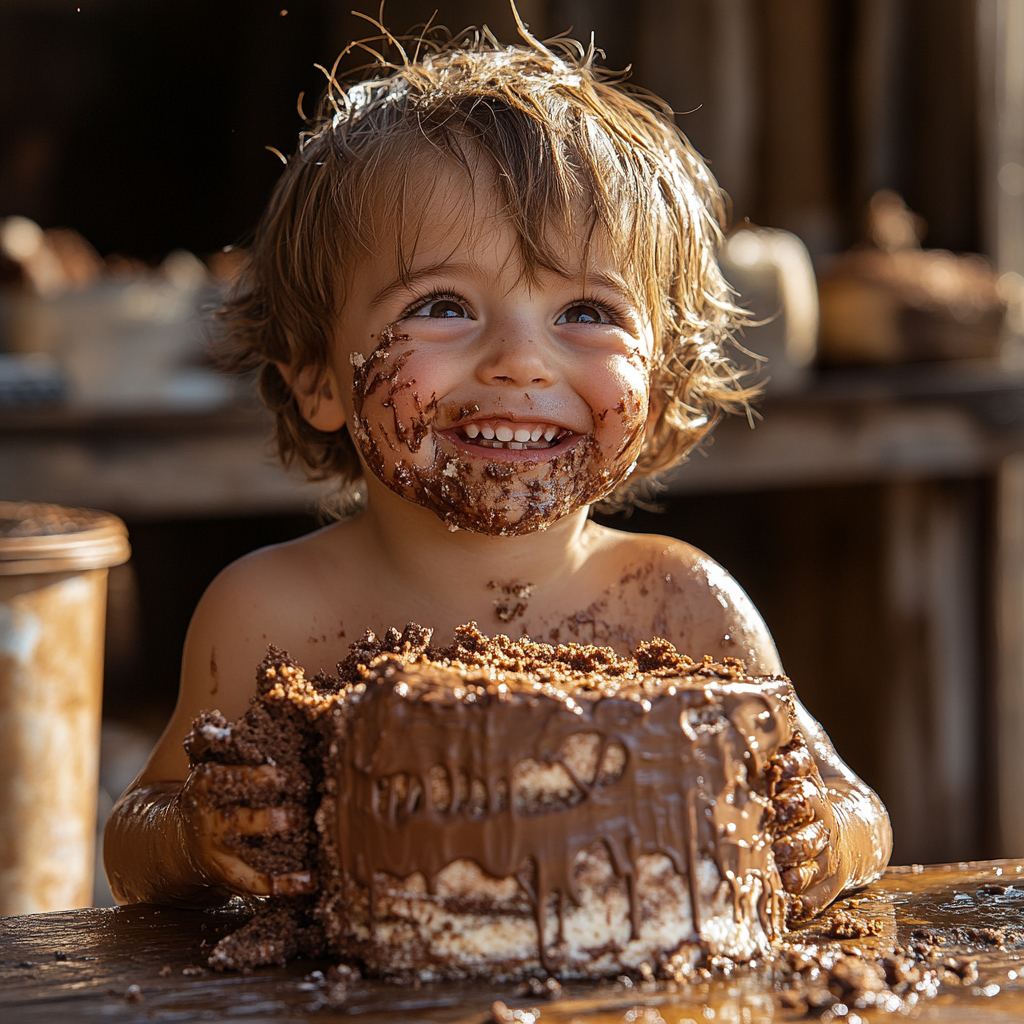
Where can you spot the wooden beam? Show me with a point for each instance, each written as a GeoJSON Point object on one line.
{"type": "Point", "coordinates": [930, 752]}
{"type": "Point", "coordinates": [1008, 725]}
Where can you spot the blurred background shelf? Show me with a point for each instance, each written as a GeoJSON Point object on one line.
{"type": "Point", "coordinates": [157, 465]}
{"type": "Point", "coordinates": [861, 425]}
{"type": "Point", "coordinates": [942, 421]}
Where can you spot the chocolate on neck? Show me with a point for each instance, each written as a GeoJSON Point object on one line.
{"type": "Point", "coordinates": [695, 750]}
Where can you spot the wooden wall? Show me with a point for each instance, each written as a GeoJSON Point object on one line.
{"type": "Point", "coordinates": [143, 122]}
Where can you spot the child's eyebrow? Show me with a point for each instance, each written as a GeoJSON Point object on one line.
{"type": "Point", "coordinates": [610, 280]}
{"type": "Point", "coordinates": [614, 282]}
{"type": "Point", "coordinates": [406, 280]}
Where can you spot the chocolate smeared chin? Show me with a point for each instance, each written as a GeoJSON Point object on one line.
{"type": "Point", "coordinates": [505, 493]}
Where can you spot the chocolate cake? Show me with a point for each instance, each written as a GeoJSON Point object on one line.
{"type": "Point", "coordinates": [502, 808]}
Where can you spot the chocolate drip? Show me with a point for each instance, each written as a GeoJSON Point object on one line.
{"type": "Point", "coordinates": [692, 784]}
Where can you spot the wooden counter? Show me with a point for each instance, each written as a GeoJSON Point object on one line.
{"type": "Point", "coordinates": [82, 965]}
{"type": "Point", "coordinates": [936, 420]}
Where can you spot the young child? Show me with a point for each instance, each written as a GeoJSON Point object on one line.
{"type": "Point", "coordinates": [486, 284]}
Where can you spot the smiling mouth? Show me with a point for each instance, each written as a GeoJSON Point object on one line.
{"type": "Point", "coordinates": [512, 435]}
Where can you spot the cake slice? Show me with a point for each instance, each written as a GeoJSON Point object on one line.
{"type": "Point", "coordinates": [501, 808]}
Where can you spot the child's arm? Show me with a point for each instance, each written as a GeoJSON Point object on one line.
{"type": "Point", "coordinates": [165, 838]}
{"type": "Point", "coordinates": [838, 835]}
{"type": "Point", "coordinates": [165, 843]}
{"type": "Point", "coordinates": [835, 831]}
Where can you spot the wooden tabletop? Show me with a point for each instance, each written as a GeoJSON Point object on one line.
{"type": "Point", "coordinates": [965, 922]}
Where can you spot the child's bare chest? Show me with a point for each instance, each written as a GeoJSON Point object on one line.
{"type": "Point", "coordinates": [636, 601]}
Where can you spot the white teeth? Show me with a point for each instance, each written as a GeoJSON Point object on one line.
{"type": "Point", "coordinates": [517, 438]}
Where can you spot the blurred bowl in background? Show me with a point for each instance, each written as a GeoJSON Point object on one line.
{"type": "Point", "coordinates": [890, 301]}
{"type": "Point", "coordinates": [118, 334]}
{"type": "Point", "coordinates": [909, 306]}
{"type": "Point", "coordinates": [121, 345]}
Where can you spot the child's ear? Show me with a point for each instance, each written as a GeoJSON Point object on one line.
{"type": "Point", "coordinates": [317, 395]}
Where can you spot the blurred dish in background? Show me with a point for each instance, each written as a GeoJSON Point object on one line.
{"type": "Point", "coordinates": [115, 334]}
{"type": "Point", "coordinates": [772, 272]}
{"type": "Point", "coordinates": [892, 301]}
{"type": "Point", "coordinates": [27, 380]}
{"type": "Point", "coordinates": [50, 261]}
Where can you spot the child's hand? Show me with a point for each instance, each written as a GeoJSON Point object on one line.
{"type": "Point", "coordinates": [229, 813]}
{"type": "Point", "coordinates": [807, 843]}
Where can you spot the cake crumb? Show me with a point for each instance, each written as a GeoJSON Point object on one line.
{"type": "Point", "coordinates": [501, 1014]}
{"type": "Point", "coordinates": [550, 988]}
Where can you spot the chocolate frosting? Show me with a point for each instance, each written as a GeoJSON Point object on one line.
{"type": "Point", "coordinates": [693, 782]}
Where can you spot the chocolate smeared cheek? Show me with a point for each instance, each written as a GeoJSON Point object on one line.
{"type": "Point", "coordinates": [496, 498]}
{"type": "Point", "coordinates": [400, 422]}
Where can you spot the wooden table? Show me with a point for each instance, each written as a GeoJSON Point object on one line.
{"type": "Point", "coordinates": [84, 965]}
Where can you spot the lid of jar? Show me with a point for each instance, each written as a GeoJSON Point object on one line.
{"type": "Point", "coordinates": [51, 538]}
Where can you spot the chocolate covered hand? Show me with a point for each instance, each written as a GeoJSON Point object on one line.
{"type": "Point", "coordinates": [224, 831]}
{"type": "Point", "coordinates": [808, 844]}
{"type": "Point", "coordinates": [239, 833]}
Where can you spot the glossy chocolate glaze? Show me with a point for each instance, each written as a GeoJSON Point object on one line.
{"type": "Point", "coordinates": [698, 740]}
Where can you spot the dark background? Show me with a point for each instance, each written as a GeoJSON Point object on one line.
{"type": "Point", "coordinates": [142, 123]}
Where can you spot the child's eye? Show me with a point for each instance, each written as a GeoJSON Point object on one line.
{"type": "Point", "coordinates": [440, 307]}
{"type": "Point", "coordinates": [583, 313]}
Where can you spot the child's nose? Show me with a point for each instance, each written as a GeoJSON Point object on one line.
{"type": "Point", "coordinates": [514, 358]}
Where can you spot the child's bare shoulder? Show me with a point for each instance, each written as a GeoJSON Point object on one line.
{"type": "Point", "coordinates": [279, 570]}
{"type": "Point", "coordinates": [276, 595]}
{"type": "Point", "coordinates": [691, 599]}
{"type": "Point", "coordinates": [667, 560]}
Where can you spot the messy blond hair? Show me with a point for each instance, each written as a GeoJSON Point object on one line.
{"type": "Point", "coordinates": [562, 136]}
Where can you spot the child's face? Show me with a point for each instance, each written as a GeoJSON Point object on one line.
{"type": "Point", "coordinates": [499, 403]}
